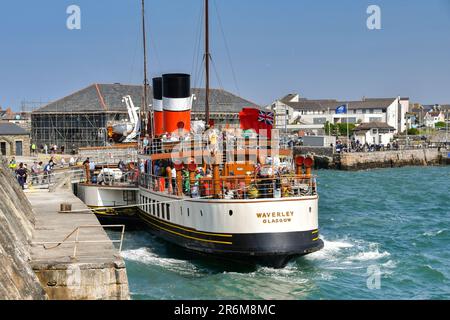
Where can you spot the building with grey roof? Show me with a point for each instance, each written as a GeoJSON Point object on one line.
{"type": "Point", "coordinates": [296, 113]}
{"type": "Point", "coordinates": [81, 119]}
{"type": "Point", "coordinates": [14, 140]}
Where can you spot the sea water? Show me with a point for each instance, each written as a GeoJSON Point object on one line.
{"type": "Point", "coordinates": [386, 234]}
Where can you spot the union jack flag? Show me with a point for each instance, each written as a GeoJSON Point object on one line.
{"type": "Point", "coordinates": [266, 117]}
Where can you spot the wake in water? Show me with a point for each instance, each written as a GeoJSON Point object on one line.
{"type": "Point", "coordinates": [347, 254]}
{"type": "Point", "coordinates": [147, 257]}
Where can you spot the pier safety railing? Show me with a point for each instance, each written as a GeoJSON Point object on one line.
{"type": "Point", "coordinates": [234, 187]}
{"type": "Point", "coordinates": [47, 180]}
{"type": "Point", "coordinates": [50, 245]}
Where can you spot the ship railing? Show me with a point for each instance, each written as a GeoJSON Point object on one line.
{"type": "Point", "coordinates": [233, 188]}
{"type": "Point", "coordinates": [159, 146]}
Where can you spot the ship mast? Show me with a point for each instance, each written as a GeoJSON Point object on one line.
{"type": "Point", "coordinates": [207, 57]}
{"type": "Point", "coordinates": [144, 117]}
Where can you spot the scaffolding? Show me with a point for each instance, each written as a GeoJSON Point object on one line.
{"type": "Point", "coordinates": [72, 130]}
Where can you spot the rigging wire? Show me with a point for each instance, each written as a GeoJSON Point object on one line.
{"type": "Point", "coordinates": [153, 44]}
{"type": "Point", "coordinates": [219, 19]}
{"type": "Point", "coordinates": [217, 74]}
{"type": "Point", "coordinates": [133, 61]}
{"type": "Point", "coordinates": [198, 38]}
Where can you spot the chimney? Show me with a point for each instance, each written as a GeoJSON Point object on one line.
{"type": "Point", "coordinates": [177, 102]}
{"type": "Point", "coordinates": [158, 106]}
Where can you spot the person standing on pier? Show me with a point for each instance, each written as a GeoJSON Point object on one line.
{"type": "Point", "coordinates": [21, 175]}
{"type": "Point", "coordinates": [13, 164]}
{"type": "Point", "coordinates": [87, 170]}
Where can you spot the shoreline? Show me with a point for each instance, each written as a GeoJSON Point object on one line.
{"type": "Point", "coordinates": [324, 158]}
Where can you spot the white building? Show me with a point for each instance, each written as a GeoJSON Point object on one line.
{"type": "Point", "coordinates": [295, 113]}
{"type": "Point", "coordinates": [433, 117]}
{"type": "Point", "coordinates": [374, 133]}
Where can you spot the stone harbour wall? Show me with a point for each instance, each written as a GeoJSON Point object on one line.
{"type": "Point", "coordinates": [389, 159]}
{"type": "Point", "coordinates": [17, 279]}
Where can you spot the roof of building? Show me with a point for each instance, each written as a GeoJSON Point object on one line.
{"type": "Point", "coordinates": [373, 125]}
{"type": "Point", "coordinates": [10, 129]}
{"type": "Point", "coordinates": [108, 98]}
{"type": "Point", "coordinates": [434, 113]}
{"type": "Point", "coordinates": [288, 97]}
{"type": "Point", "coordinates": [324, 105]}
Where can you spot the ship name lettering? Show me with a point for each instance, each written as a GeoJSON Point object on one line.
{"type": "Point", "coordinates": [274, 215]}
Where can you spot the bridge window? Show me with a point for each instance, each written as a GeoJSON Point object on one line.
{"type": "Point", "coordinates": [163, 209]}
{"type": "Point", "coordinates": [154, 207]}
{"type": "Point", "coordinates": [158, 209]}
{"type": "Point", "coordinates": [129, 196]}
{"type": "Point", "coordinates": [168, 211]}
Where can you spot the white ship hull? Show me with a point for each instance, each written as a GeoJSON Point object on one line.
{"type": "Point", "coordinates": [110, 204]}
{"type": "Point", "coordinates": [266, 231]}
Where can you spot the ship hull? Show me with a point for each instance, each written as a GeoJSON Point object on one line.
{"type": "Point", "coordinates": [268, 233]}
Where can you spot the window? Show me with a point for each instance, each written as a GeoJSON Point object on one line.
{"type": "Point", "coordinates": [188, 212]}
{"type": "Point", "coordinates": [146, 204]}
{"type": "Point", "coordinates": [163, 210]}
{"type": "Point", "coordinates": [154, 207]}
{"type": "Point", "coordinates": [320, 120]}
{"type": "Point", "coordinates": [129, 196]}
{"type": "Point", "coordinates": [158, 209]}
{"type": "Point", "coordinates": [168, 211]}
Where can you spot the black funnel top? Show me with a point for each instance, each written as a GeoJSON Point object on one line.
{"type": "Point", "coordinates": [176, 85]}
{"type": "Point", "coordinates": [157, 88]}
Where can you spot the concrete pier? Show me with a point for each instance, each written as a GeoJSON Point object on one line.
{"type": "Point", "coordinates": [97, 272]}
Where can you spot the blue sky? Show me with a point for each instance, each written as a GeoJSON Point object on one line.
{"type": "Point", "coordinates": [320, 49]}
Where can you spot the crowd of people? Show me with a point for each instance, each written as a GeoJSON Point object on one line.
{"type": "Point", "coordinates": [40, 173]}
{"type": "Point", "coordinates": [52, 149]}
{"type": "Point", "coordinates": [264, 181]}
{"type": "Point", "coordinates": [357, 146]}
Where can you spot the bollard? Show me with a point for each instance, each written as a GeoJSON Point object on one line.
{"type": "Point", "coordinates": [65, 207]}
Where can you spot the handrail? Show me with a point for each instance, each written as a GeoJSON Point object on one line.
{"type": "Point", "coordinates": [236, 187]}
{"type": "Point", "coordinates": [77, 241]}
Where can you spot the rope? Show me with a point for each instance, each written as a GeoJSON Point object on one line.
{"type": "Point", "coordinates": [227, 48]}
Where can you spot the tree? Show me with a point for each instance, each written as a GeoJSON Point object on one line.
{"type": "Point", "coordinates": [413, 132]}
{"type": "Point", "coordinates": [441, 125]}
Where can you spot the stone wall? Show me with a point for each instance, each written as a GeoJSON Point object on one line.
{"type": "Point", "coordinates": [323, 156]}
{"type": "Point", "coordinates": [389, 159]}
{"type": "Point", "coordinates": [84, 281]}
{"type": "Point", "coordinates": [17, 279]}
{"type": "Point", "coordinates": [11, 145]}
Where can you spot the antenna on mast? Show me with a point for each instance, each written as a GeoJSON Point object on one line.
{"type": "Point", "coordinates": [207, 57]}
{"type": "Point", "coordinates": [144, 118]}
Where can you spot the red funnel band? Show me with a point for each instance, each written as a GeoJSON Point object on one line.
{"type": "Point", "coordinates": [309, 162]}
{"type": "Point", "coordinates": [299, 160]}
